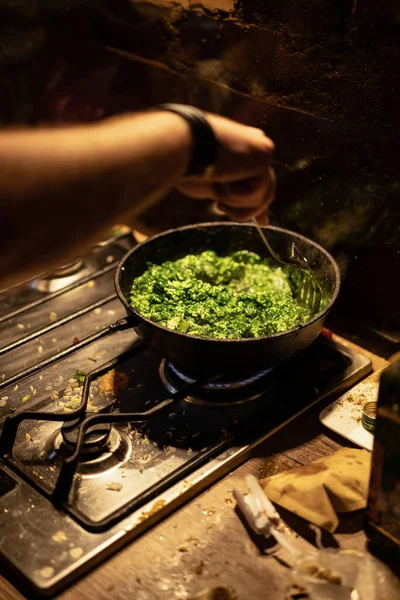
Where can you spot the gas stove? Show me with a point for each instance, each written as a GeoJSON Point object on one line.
{"type": "Point", "coordinates": [102, 437]}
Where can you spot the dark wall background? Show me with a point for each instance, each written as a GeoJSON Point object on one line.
{"type": "Point", "coordinates": [322, 77]}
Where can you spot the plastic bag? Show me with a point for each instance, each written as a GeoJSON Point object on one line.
{"type": "Point", "coordinates": [343, 575]}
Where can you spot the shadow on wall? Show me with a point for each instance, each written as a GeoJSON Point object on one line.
{"type": "Point", "coordinates": [321, 83]}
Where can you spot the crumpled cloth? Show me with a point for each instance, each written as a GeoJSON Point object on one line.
{"type": "Point", "coordinates": [320, 491]}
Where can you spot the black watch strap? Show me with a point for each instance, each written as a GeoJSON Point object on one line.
{"type": "Point", "coordinates": [205, 144]}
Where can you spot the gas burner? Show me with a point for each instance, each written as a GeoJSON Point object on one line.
{"type": "Point", "coordinates": [104, 449]}
{"type": "Point", "coordinates": [223, 392]}
{"type": "Point", "coordinates": [221, 384]}
{"type": "Point", "coordinates": [61, 277]}
{"type": "Point", "coordinates": [96, 438]}
{"type": "Point", "coordinates": [68, 269]}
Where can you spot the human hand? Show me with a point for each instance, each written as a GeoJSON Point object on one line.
{"type": "Point", "coordinates": [242, 181]}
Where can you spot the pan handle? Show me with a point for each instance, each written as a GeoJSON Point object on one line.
{"type": "Point", "coordinates": [123, 324]}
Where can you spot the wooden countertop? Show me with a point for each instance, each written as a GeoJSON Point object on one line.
{"type": "Point", "coordinates": [205, 544]}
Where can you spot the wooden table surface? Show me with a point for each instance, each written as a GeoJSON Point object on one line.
{"type": "Point", "coordinates": [205, 543]}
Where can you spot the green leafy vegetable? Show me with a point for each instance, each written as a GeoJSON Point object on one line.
{"type": "Point", "coordinates": [237, 296]}
{"type": "Point", "coordinates": [79, 376]}
{"type": "Point", "coordinates": [26, 398]}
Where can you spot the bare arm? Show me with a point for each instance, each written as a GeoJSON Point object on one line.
{"type": "Point", "coordinates": [61, 189]}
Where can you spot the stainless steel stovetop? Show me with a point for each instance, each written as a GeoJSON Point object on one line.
{"type": "Point", "coordinates": [67, 501]}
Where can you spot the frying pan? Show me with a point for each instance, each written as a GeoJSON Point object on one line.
{"type": "Point", "coordinates": [196, 355]}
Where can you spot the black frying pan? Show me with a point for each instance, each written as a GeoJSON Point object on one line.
{"type": "Point", "coordinates": [202, 355]}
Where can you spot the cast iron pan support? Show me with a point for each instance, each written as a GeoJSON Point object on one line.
{"type": "Point", "coordinates": [12, 422]}
{"type": "Point", "coordinates": [69, 465]}
{"type": "Point", "coordinates": [60, 494]}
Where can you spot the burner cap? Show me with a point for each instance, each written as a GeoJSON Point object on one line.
{"type": "Point", "coordinates": [68, 269]}
{"type": "Point", "coordinates": [63, 276]}
{"type": "Point", "coordinates": [96, 437]}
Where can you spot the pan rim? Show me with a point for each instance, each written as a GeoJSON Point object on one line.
{"type": "Point", "coordinates": [186, 336]}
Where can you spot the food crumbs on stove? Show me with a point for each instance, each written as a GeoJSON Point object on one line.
{"type": "Point", "coordinates": [114, 487]}
{"type": "Point", "coordinates": [91, 283]}
{"type": "Point", "coordinates": [97, 311]}
{"type": "Point", "coordinates": [79, 376]}
{"type": "Point", "coordinates": [53, 316]}
{"type": "Point", "coordinates": [3, 402]}
{"type": "Point", "coordinates": [28, 437]}
{"type": "Point", "coordinates": [183, 549]}
{"type": "Point", "coordinates": [54, 340]}
{"type": "Point", "coordinates": [76, 552]}
{"type": "Point", "coordinates": [91, 358]}
{"type": "Point", "coordinates": [47, 572]}
{"type": "Point", "coordinates": [40, 349]}
{"type": "Point", "coordinates": [158, 505]}
{"type": "Point", "coordinates": [21, 326]}
{"type": "Point", "coordinates": [25, 398]}
{"type": "Point", "coordinates": [75, 339]}
{"type": "Point", "coordinates": [59, 536]}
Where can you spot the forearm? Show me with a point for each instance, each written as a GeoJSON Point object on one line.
{"type": "Point", "coordinates": [60, 189]}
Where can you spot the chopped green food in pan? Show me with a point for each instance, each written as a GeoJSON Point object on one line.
{"type": "Point", "coordinates": [211, 296]}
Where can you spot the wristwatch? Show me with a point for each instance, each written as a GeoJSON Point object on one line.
{"type": "Point", "coordinates": [204, 141]}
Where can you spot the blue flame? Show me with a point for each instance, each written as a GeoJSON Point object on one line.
{"type": "Point", "coordinates": [223, 385]}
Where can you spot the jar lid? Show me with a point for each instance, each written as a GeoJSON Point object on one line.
{"type": "Point", "coordinates": [369, 416]}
